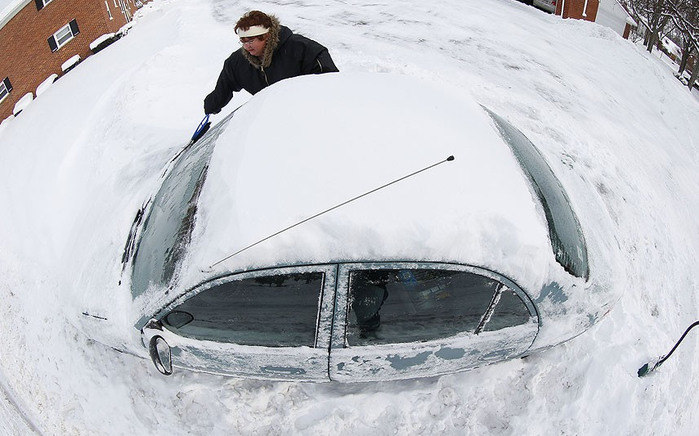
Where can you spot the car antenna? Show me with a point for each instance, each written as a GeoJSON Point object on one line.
{"type": "Point", "coordinates": [655, 364]}
{"type": "Point", "coordinates": [449, 159]}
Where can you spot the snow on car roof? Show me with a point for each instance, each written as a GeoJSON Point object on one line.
{"type": "Point", "coordinates": [345, 134]}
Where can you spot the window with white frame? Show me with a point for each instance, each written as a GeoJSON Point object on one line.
{"type": "Point", "coordinates": [63, 35]}
{"type": "Point", "coordinates": [41, 3]}
{"type": "Point", "coordinates": [5, 88]}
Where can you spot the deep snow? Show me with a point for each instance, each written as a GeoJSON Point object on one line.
{"type": "Point", "coordinates": [611, 119]}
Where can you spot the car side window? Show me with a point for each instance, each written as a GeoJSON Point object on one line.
{"type": "Point", "coordinates": [507, 311]}
{"type": "Point", "coordinates": [275, 311]}
{"type": "Point", "coordinates": [409, 305]}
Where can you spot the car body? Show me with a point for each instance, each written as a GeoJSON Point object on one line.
{"type": "Point", "coordinates": [359, 227]}
{"type": "Point", "coordinates": [546, 5]}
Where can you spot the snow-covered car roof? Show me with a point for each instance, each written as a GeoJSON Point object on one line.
{"type": "Point", "coordinates": [275, 164]}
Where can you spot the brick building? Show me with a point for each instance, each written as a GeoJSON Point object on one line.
{"type": "Point", "coordinates": [608, 13]}
{"type": "Point", "coordinates": [578, 9]}
{"type": "Point", "coordinates": [38, 37]}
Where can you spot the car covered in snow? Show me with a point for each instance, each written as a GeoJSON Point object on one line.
{"type": "Point", "coordinates": [546, 5]}
{"type": "Point", "coordinates": [359, 227]}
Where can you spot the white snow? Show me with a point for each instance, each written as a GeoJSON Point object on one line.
{"type": "Point", "coordinates": [70, 63]}
{"type": "Point", "coordinates": [23, 103]}
{"type": "Point", "coordinates": [46, 84]}
{"type": "Point", "coordinates": [100, 40]}
{"type": "Point", "coordinates": [613, 122]}
{"type": "Point", "coordinates": [380, 148]}
{"type": "Point", "coordinates": [7, 7]}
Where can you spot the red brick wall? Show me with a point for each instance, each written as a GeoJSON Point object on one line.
{"type": "Point", "coordinates": [26, 58]}
{"type": "Point", "coordinates": [574, 9]}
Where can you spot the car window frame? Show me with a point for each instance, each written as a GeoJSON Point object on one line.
{"type": "Point", "coordinates": [326, 298]}
{"type": "Point", "coordinates": [316, 363]}
{"type": "Point", "coordinates": [253, 361]}
{"type": "Point", "coordinates": [397, 361]}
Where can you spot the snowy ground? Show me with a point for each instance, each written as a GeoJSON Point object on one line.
{"type": "Point", "coordinates": [610, 118]}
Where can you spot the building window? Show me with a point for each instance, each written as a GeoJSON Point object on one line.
{"type": "Point", "coordinates": [5, 88]}
{"type": "Point", "coordinates": [64, 34]}
{"type": "Point", "coordinates": [41, 3]}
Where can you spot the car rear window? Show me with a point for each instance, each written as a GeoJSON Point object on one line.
{"type": "Point", "coordinates": [566, 236]}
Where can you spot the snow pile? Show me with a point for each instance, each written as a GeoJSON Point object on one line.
{"type": "Point", "coordinates": [46, 84]}
{"type": "Point", "coordinates": [612, 121]}
{"type": "Point", "coordinates": [7, 7]}
{"type": "Point", "coordinates": [23, 103]}
{"type": "Point", "coordinates": [70, 63]}
{"type": "Point", "coordinates": [96, 43]}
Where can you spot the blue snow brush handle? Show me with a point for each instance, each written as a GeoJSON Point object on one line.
{"type": "Point", "coordinates": [203, 128]}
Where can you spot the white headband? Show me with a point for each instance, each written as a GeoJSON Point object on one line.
{"type": "Point", "coordinates": [252, 31]}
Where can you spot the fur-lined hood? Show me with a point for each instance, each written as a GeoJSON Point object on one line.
{"type": "Point", "coordinates": [272, 44]}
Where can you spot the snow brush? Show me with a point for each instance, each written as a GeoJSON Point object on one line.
{"type": "Point", "coordinates": [201, 129]}
{"type": "Point", "coordinates": [655, 364]}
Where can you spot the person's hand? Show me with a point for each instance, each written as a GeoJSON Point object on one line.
{"type": "Point", "coordinates": [210, 111]}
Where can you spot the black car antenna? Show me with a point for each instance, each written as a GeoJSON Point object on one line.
{"type": "Point", "coordinates": [449, 159]}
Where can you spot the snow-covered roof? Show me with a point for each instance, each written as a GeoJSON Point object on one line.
{"type": "Point", "coordinates": [10, 8]}
{"type": "Point", "coordinates": [23, 103]}
{"type": "Point", "coordinates": [70, 62]}
{"type": "Point", "coordinates": [46, 84]}
{"type": "Point", "coordinates": [94, 44]}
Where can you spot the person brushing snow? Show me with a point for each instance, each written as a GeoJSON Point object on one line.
{"type": "Point", "coordinates": [270, 52]}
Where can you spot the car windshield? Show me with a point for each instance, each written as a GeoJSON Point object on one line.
{"type": "Point", "coordinates": [167, 229]}
{"type": "Point", "coordinates": [408, 305]}
{"type": "Point", "coordinates": [565, 233]}
{"type": "Point", "coordinates": [276, 311]}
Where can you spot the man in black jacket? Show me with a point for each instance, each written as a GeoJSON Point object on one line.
{"type": "Point", "coordinates": [270, 53]}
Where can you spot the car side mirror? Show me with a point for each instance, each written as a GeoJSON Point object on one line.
{"type": "Point", "coordinates": [158, 348]}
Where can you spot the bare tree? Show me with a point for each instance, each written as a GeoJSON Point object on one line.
{"type": "Point", "coordinates": [654, 15]}
{"type": "Point", "coordinates": [685, 17]}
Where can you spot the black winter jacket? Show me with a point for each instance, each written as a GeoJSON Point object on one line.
{"type": "Point", "coordinates": [294, 55]}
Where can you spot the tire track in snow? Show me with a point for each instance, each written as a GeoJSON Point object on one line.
{"type": "Point", "coordinates": [13, 413]}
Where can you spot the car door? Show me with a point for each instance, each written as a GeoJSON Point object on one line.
{"type": "Point", "coordinates": [270, 324]}
{"type": "Point", "coordinates": [406, 320]}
